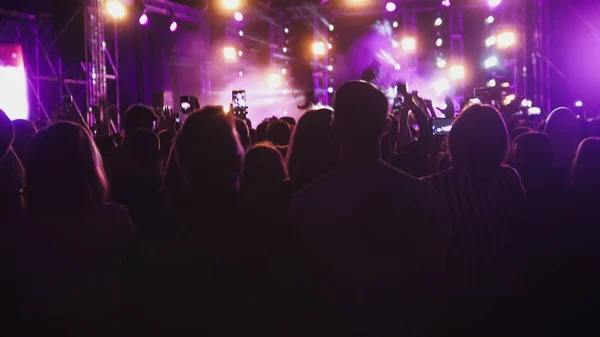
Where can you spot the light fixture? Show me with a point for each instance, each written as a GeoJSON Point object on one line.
{"type": "Point", "coordinates": [274, 80]}
{"type": "Point", "coordinates": [437, 22]}
{"type": "Point", "coordinates": [143, 20]}
{"type": "Point", "coordinates": [489, 20]}
{"type": "Point", "coordinates": [318, 48]}
{"type": "Point", "coordinates": [457, 72]}
{"type": "Point", "coordinates": [173, 25]}
{"type": "Point", "coordinates": [490, 62]}
{"type": "Point", "coordinates": [578, 104]}
{"type": "Point", "coordinates": [439, 42]}
{"type": "Point", "coordinates": [409, 44]}
{"type": "Point", "coordinates": [491, 83]}
{"type": "Point", "coordinates": [115, 9]}
{"type": "Point", "coordinates": [506, 39]}
{"type": "Point", "coordinates": [231, 4]}
{"type": "Point", "coordinates": [229, 53]}
{"type": "Point", "coordinates": [238, 16]}
{"type": "Point", "coordinates": [390, 6]}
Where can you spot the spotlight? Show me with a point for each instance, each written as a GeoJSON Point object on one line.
{"type": "Point", "coordinates": [409, 44]}
{"type": "Point", "coordinates": [238, 16]}
{"type": "Point", "coordinates": [283, 71]}
{"type": "Point", "coordinates": [491, 83]}
{"type": "Point", "coordinates": [578, 104]}
{"type": "Point", "coordinates": [438, 22]}
{"type": "Point", "coordinates": [490, 62]}
{"type": "Point", "coordinates": [330, 68]}
{"type": "Point", "coordinates": [439, 42]}
{"type": "Point", "coordinates": [173, 26]}
{"type": "Point", "coordinates": [506, 39]}
{"type": "Point", "coordinates": [446, 3]}
{"type": "Point", "coordinates": [329, 46]}
{"type": "Point", "coordinates": [330, 90]}
{"type": "Point", "coordinates": [229, 53]}
{"type": "Point", "coordinates": [241, 33]}
{"type": "Point", "coordinates": [457, 72]}
{"type": "Point", "coordinates": [395, 24]}
{"type": "Point", "coordinates": [390, 7]}
{"type": "Point", "coordinates": [505, 85]}
{"type": "Point", "coordinates": [318, 48]}
{"type": "Point", "coordinates": [286, 30]}
{"type": "Point", "coordinates": [143, 19]}
{"type": "Point", "coordinates": [284, 49]}
{"type": "Point", "coordinates": [231, 4]}
{"type": "Point", "coordinates": [274, 80]}
{"type": "Point", "coordinates": [489, 20]}
{"type": "Point", "coordinates": [241, 73]}
{"type": "Point", "coordinates": [240, 53]}
{"type": "Point", "coordinates": [526, 103]}
{"type": "Point", "coordinates": [397, 66]}
{"type": "Point", "coordinates": [494, 3]}
{"type": "Point", "coordinates": [534, 111]}
{"type": "Point", "coordinates": [440, 62]}
{"type": "Point", "coordinates": [331, 28]}
{"type": "Point", "coordinates": [508, 99]}
{"type": "Point", "coordinates": [490, 41]}
{"type": "Point", "coordinates": [115, 9]}
{"type": "Point", "coordinates": [441, 86]}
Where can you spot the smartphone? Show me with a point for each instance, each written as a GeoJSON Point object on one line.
{"type": "Point", "coordinates": [441, 126]}
{"type": "Point", "coordinates": [397, 103]}
{"type": "Point", "coordinates": [238, 100]}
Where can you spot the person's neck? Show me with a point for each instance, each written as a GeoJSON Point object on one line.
{"type": "Point", "coordinates": [360, 154]}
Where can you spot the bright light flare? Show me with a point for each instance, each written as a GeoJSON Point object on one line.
{"type": "Point", "coordinates": [578, 104]}
{"type": "Point", "coordinates": [494, 3]}
{"type": "Point", "coordinates": [395, 24]}
{"type": "Point", "coordinates": [173, 26]}
{"type": "Point", "coordinates": [274, 81]}
{"type": "Point", "coordinates": [13, 83]}
{"type": "Point", "coordinates": [490, 41]}
{"type": "Point", "coordinates": [318, 48]}
{"type": "Point", "coordinates": [490, 62]}
{"type": "Point", "coordinates": [506, 39]}
{"type": "Point", "coordinates": [409, 44]}
{"type": "Point", "coordinates": [229, 53]}
{"type": "Point", "coordinates": [238, 16]}
{"type": "Point", "coordinates": [437, 22]}
{"type": "Point", "coordinates": [143, 20]}
{"type": "Point", "coordinates": [390, 7]}
{"type": "Point", "coordinates": [115, 9]}
{"type": "Point", "coordinates": [231, 4]}
{"type": "Point", "coordinates": [457, 72]}
{"type": "Point", "coordinates": [489, 20]}
{"type": "Point", "coordinates": [441, 86]}
{"type": "Point", "coordinates": [446, 3]}
{"type": "Point", "coordinates": [397, 66]}
{"type": "Point", "coordinates": [491, 83]}
{"type": "Point", "coordinates": [439, 42]}
{"type": "Point", "coordinates": [508, 99]}
{"type": "Point", "coordinates": [440, 63]}
{"type": "Point", "coordinates": [330, 90]}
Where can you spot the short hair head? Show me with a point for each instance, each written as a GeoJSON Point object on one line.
{"type": "Point", "coordinates": [532, 151]}
{"type": "Point", "coordinates": [139, 116]}
{"type": "Point", "coordinates": [586, 166]}
{"type": "Point", "coordinates": [263, 164]}
{"type": "Point", "coordinates": [478, 138]}
{"type": "Point", "coordinates": [360, 113]}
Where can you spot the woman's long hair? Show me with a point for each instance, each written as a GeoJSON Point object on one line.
{"type": "Point", "coordinates": [586, 166]}
{"type": "Point", "coordinates": [64, 170]}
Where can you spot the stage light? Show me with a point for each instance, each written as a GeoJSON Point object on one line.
{"type": "Point", "coordinates": [440, 63]}
{"type": "Point", "coordinates": [330, 90]}
{"type": "Point", "coordinates": [490, 41]}
{"type": "Point", "coordinates": [506, 39]}
{"type": "Point", "coordinates": [446, 3]}
{"type": "Point", "coordinates": [283, 71]}
{"type": "Point", "coordinates": [397, 66]}
{"type": "Point", "coordinates": [491, 83]}
{"type": "Point", "coordinates": [490, 62]}
{"type": "Point", "coordinates": [329, 46]}
{"type": "Point", "coordinates": [13, 82]}
{"type": "Point", "coordinates": [395, 24]}
{"type": "Point", "coordinates": [409, 44]}
{"type": "Point", "coordinates": [231, 4]}
{"type": "Point", "coordinates": [238, 16]}
{"type": "Point", "coordinates": [525, 103]}
{"type": "Point", "coordinates": [457, 72]}
{"type": "Point", "coordinates": [286, 30]}
{"type": "Point", "coordinates": [534, 111]}
{"type": "Point", "coordinates": [241, 73]}
{"type": "Point", "coordinates": [318, 48]}
{"type": "Point", "coordinates": [494, 3]}
{"type": "Point", "coordinates": [505, 85]}
{"type": "Point", "coordinates": [173, 26]}
{"type": "Point", "coordinates": [395, 44]}
{"type": "Point", "coordinates": [390, 7]}
{"type": "Point", "coordinates": [578, 104]}
{"type": "Point", "coordinates": [241, 33]}
{"type": "Point", "coordinates": [439, 42]}
{"type": "Point", "coordinates": [331, 28]}
{"type": "Point", "coordinates": [438, 22]}
{"type": "Point", "coordinates": [115, 9]}
{"type": "Point", "coordinates": [489, 20]}
{"type": "Point", "coordinates": [284, 49]}
{"type": "Point", "coordinates": [229, 53]}
{"type": "Point", "coordinates": [240, 53]}
{"type": "Point", "coordinates": [330, 68]}
{"type": "Point", "coordinates": [441, 86]}
{"type": "Point", "coordinates": [274, 80]}
{"type": "Point", "coordinates": [143, 19]}
{"type": "Point", "coordinates": [508, 99]}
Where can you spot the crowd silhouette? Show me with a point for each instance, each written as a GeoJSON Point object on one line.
{"type": "Point", "coordinates": [353, 220]}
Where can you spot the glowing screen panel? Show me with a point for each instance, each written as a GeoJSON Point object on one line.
{"type": "Point", "coordinates": [13, 83]}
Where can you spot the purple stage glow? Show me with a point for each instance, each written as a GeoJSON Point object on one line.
{"type": "Point", "coordinates": [390, 7]}
{"type": "Point", "coordinates": [13, 83]}
{"type": "Point", "coordinates": [173, 26]}
{"type": "Point", "coordinates": [143, 19]}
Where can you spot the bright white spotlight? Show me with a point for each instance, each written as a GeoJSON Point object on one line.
{"type": "Point", "coordinates": [173, 26]}
{"type": "Point", "coordinates": [13, 82]}
{"type": "Point", "coordinates": [441, 86]}
{"type": "Point", "coordinates": [446, 3]}
{"type": "Point", "coordinates": [229, 53]}
{"type": "Point", "coordinates": [284, 49]}
{"type": "Point", "coordinates": [240, 53]}
{"type": "Point", "coordinates": [490, 62]}
{"type": "Point", "coordinates": [489, 20]}
{"type": "Point", "coordinates": [238, 16]}
{"type": "Point", "coordinates": [494, 3]}
{"type": "Point", "coordinates": [491, 83]}
{"type": "Point", "coordinates": [329, 46]}
{"type": "Point", "coordinates": [440, 63]}
{"type": "Point", "coordinates": [505, 84]}
{"type": "Point", "coordinates": [274, 80]}
{"type": "Point", "coordinates": [241, 33]}
{"type": "Point", "coordinates": [318, 48]}
{"type": "Point", "coordinates": [437, 22]}
{"type": "Point", "coordinates": [409, 44]}
{"type": "Point", "coordinates": [390, 6]}
{"type": "Point", "coordinates": [115, 9]}
{"type": "Point", "coordinates": [397, 66]}
{"type": "Point", "coordinates": [331, 28]}
{"type": "Point", "coordinates": [439, 42]}
{"type": "Point", "coordinates": [286, 30]}
{"type": "Point", "coordinates": [241, 73]}
{"type": "Point", "coordinates": [534, 111]}
{"type": "Point", "coordinates": [143, 20]}
{"type": "Point", "coordinates": [525, 103]}
{"type": "Point", "coordinates": [506, 39]}
{"type": "Point", "coordinates": [330, 67]}
{"type": "Point", "coordinates": [578, 104]}
{"type": "Point", "coordinates": [330, 90]}
{"type": "Point", "coordinates": [283, 71]}
{"type": "Point", "coordinates": [395, 24]}
{"type": "Point", "coordinates": [490, 41]}
{"type": "Point", "coordinates": [457, 72]}
{"type": "Point", "coordinates": [231, 4]}
{"type": "Point", "coordinates": [508, 99]}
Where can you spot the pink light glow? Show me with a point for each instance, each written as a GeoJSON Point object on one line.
{"type": "Point", "coordinates": [238, 16]}
{"type": "Point", "coordinates": [494, 3]}
{"type": "Point", "coordinates": [446, 3]}
{"type": "Point", "coordinates": [390, 7]}
{"type": "Point", "coordinates": [13, 83]}
{"type": "Point", "coordinates": [143, 19]}
{"type": "Point", "coordinates": [173, 26]}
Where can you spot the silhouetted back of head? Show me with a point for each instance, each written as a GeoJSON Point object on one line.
{"type": "Point", "coordinates": [279, 132]}
{"type": "Point", "coordinates": [243, 132]}
{"type": "Point", "coordinates": [145, 146]}
{"type": "Point", "coordinates": [478, 139]}
{"type": "Point", "coordinates": [208, 150]}
{"type": "Point", "coordinates": [586, 167]}
{"type": "Point", "coordinates": [138, 116]}
{"type": "Point", "coordinates": [518, 131]}
{"type": "Point", "coordinates": [64, 170]}
{"type": "Point", "coordinates": [360, 112]}
{"type": "Point", "coordinates": [7, 134]}
{"type": "Point", "coordinates": [563, 129]}
{"type": "Point", "coordinates": [261, 132]}
{"type": "Point", "coordinates": [533, 152]}
{"type": "Point", "coordinates": [290, 120]}
{"type": "Point", "coordinates": [24, 132]}
{"type": "Point", "coordinates": [313, 151]}
{"type": "Point", "coordinates": [263, 165]}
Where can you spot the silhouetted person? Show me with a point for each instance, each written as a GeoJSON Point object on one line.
{"type": "Point", "coordinates": [313, 151]}
{"type": "Point", "coordinates": [11, 170]}
{"type": "Point", "coordinates": [563, 129]}
{"type": "Point", "coordinates": [261, 132]}
{"type": "Point", "coordinates": [166, 138]}
{"type": "Point", "coordinates": [24, 132]}
{"type": "Point", "coordinates": [389, 140]}
{"type": "Point", "coordinates": [71, 243]}
{"type": "Point", "coordinates": [290, 121]}
{"type": "Point", "coordinates": [243, 132]}
{"type": "Point", "coordinates": [371, 244]}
